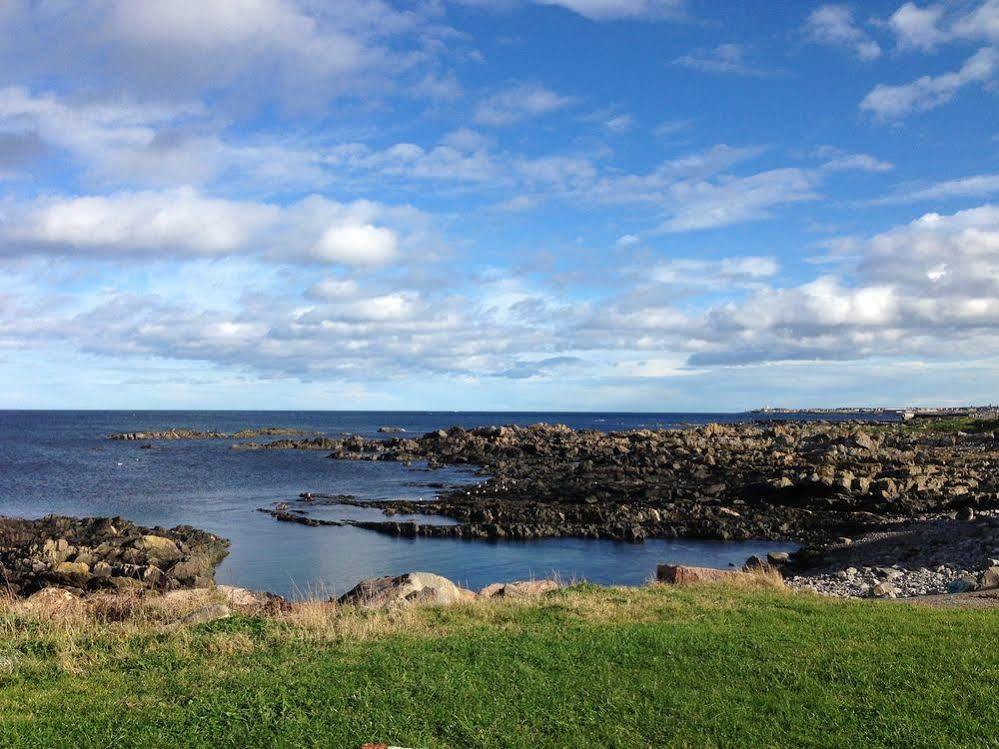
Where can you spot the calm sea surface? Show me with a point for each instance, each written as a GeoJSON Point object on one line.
{"type": "Point", "coordinates": [61, 462]}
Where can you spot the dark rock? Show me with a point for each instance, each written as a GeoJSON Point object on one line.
{"type": "Point", "coordinates": [101, 553]}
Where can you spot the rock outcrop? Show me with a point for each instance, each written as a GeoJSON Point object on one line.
{"type": "Point", "coordinates": [93, 554]}
{"type": "Point", "coordinates": [197, 434]}
{"type": "Point", "coordinates": [803, 481]}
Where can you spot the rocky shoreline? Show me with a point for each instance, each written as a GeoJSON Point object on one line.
{"type": "Point", "coordinates": [878, 490]}
{"type": "Point", "coordinates": [86, 555]}
{"type": "Point", "coordinates": [880, 509]}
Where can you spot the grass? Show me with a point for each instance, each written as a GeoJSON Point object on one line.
{"type": "Point", "coordinates": [950, 425]}
{"type": "Point", "coordinates": [584, 667]}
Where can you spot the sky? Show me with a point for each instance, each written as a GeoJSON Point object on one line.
{"type": "Point", "coordinates": [620, 205]}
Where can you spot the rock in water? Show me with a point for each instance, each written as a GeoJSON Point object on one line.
{"type": "Point", "coordinates": [413, 587]}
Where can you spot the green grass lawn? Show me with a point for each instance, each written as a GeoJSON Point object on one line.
{"type": "Point", "coordinates": [587, 667]}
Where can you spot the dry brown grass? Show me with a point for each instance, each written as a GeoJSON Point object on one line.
{"type": "Point", "coordinates": [70, 627]}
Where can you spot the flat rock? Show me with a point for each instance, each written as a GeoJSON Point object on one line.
{"type": "Point", "coordinates": [209, 613]}
{"type": "Point", "coordinates": [680, 574]}
{"type": "Point", "coordinates": [518, 589]}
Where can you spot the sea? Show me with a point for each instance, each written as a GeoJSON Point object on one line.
{"type": "Point", "coordinates": [62, 462]}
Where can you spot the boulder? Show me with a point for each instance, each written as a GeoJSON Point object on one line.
{"type": "Point", "coordinates": [777, 558]}
{"type": "Point", "coordinates": [963, 584]}
{"type": "Point", "coordinates": [884, 589]}
{"type": "Point", "coordinates": [681, 574]}
{"type": "Point", "coordinates": [54, 598]}
{"type": "Point", "coordinates": [518, 589]}
{"type": "Point", "coordinates": [990, 579]}
{"type": "Point", "coordinates": [207, 614]}
{"type": "Point", "coordinates": [72, 569]}
{"type": "Point", "coordinates": [159, 548]}
{"type": "Point", "coordinates": [413, 587]}
{"type": "Point", "coordinates": [242, 597]}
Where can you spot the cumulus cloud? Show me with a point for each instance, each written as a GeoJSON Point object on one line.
{"type": "Point", "coordinates": [183, 222]}
{"type": "Point", "coordinates": [930, 285]}
{"type": "Point", "coordinates": [834, 26]}
{"type": "Point", "coordinates": [918, 28]}
{"type": "Point", "coordinates": [926, 289]}
{"type": "Point", "coordinates": [929, 92]}
{"type": "Point", "coordinates": [357, 244]}
{"type": "Point", "coordinates": [297, 52]}
{"type": "Point", "coordinates": [517, 103]}
{"type": "Point", "coordinates": [927, 28]}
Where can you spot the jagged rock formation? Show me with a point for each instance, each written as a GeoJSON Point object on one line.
{"type": "Point", "coordinates": [90, 554]}
{"type": "Point", "coordinates": [808, 481]}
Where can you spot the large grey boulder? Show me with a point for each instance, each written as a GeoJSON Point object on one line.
{"type": "Point", "coordinates": [405, 590]}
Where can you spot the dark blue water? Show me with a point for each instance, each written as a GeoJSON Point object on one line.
{"type": "Point", "coordinates": [61, 462]}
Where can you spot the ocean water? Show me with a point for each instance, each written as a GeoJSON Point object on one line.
{"type": "Point", "coordinates": [62, 462]}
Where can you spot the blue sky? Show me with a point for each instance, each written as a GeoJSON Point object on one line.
{"type": "Point", "coordinates": [513, 205]}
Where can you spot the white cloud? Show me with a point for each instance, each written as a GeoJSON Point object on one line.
{"type": "Point", "coordinates": [713, 274]}
{"type": "Point", "coordinates": [334, 288]}
{"type": "Point", "coordinates": [725, 58]}
{"type": "Point", "coordinates": [359, 244]}
{"type": "Point", "coordinates": [519, 102]}
{"type": "Point", "coordinates": [621, 123]}
{"type": "Point", "coordinates": [929, 92]}
{"type": "Point", "coordinates": [183, 222]}
{"type": "Point", "coordinates": [837, 160]}
{"type": "Point", "coordinates": [918, 28]}
{"type": "Point", "coordinates": [927, 28]}
{"type": "Point", "coordinates": [974, 186]}
{"type": "Point", "coordinates": [600, 10]}
{"type": "Point", "coordinates": [144, 222]}
{"type": "Point", "coordinates": [603, 10]}
{"type": "Point", "coordinates": [833, 25]}
{"type": "Point", "coordinates": [981, 23]}
{"type": "Point", "coordinates": [296, 52]}
{"type": "Point", "coordinates": [710, 204]}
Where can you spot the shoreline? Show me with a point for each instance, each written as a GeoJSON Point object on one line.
{"type": "Point", "coordinates": [880, 509]}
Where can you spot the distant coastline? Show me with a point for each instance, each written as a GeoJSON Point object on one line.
{"type": "Point", "coordinates": [906, 414]}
